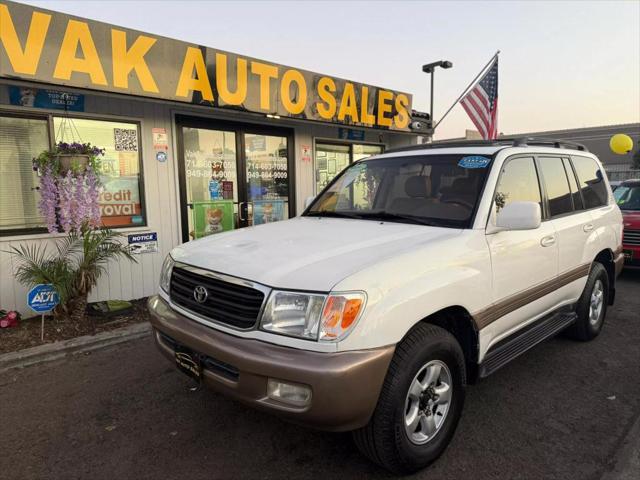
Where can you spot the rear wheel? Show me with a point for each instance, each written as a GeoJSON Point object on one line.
{"type": "Point", "coordinates": [420, 403]}
{"type": "Point", "coordinates": [592, 305]}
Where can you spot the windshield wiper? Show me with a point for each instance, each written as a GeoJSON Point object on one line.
{"type": "Point", "coordinates": [332, 214]}
{"type": "Point", "coordinates": [398, 216]}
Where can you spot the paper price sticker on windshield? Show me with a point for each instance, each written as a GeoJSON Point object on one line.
{"type": "Point", "coordinates": [474, 161]}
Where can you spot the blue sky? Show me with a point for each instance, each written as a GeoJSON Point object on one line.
{"type": "Point", "coordinates": [563, 64]}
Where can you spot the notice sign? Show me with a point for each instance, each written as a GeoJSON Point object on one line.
{"type": "Point", "coordinates": [143, 242]}
{"type": "Point", "coordinates": [306, 153]}
{"type": "Point", "coordinates": [160, 139]}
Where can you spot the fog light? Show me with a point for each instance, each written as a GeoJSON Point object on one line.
{"type": "Point", "coordinates": [290, 393]}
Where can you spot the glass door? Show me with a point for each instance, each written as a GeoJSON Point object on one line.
{"type": "Point", "coordinates": [210, 181]}
{"type": "Point", "coordinates": [267, 178]}
{"type": "Point", "coordinates": [232, 175]}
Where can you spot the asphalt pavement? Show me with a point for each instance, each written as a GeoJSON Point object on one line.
{"type": "Point", "coordinates": [562, 411]}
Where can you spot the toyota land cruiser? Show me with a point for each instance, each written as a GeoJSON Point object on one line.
{"type": "Point", "coordinates": [411, 275]}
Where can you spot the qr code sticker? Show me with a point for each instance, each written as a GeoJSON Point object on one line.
{"type": "Point", "coordinates": [126, 140]}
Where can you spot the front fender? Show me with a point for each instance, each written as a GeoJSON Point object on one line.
{"type": "Point", "coordinates": [404, 290]}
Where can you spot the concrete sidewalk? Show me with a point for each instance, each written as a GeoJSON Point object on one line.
{"type": "Point", "coordinates": [56, 350]}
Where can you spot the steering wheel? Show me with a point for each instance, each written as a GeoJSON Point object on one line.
{"type": "Point", "coordinates": [458, 201]}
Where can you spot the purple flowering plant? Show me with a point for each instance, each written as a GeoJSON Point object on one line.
{"type": "Point", "coordinates": [69, 198]}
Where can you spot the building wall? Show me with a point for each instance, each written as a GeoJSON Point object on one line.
{"type": "Point", "coordinates": [125, 280]}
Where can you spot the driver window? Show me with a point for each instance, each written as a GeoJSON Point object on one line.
{"type": "Point", "coordinates": [518, 182]}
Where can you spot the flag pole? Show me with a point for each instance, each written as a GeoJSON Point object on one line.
{"type": "Point", "coordinates": [473, 82]}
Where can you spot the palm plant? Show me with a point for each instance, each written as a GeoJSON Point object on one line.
{"type": "Point", "coordinates": [73, 269]}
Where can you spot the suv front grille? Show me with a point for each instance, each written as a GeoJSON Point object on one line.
{"type": "Point", "coordinates": [226, 302]}
{"type": "Point", "coordinates": [631, 237]}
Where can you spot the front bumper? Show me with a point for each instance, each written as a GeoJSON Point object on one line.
{"type": "Point", "coordinates": [345, 385]}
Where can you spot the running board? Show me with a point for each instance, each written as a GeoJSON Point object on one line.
{"type": "Point", "coordinates": [512, 347]}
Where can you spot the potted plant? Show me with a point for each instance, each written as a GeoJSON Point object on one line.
{"type": "Point", "coordinates": [69, 157]}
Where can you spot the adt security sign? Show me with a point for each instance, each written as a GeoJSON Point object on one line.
{"type": "Point", "coordinates": [43, 298]}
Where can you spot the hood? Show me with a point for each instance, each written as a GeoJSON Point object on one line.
{"type": "Point", "coordinates": [306, 253]}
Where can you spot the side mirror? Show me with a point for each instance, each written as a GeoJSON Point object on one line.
{"type": "Point", "coordinates": [308, 201]}
{"type": "Point", "coordinates": [519, 216]}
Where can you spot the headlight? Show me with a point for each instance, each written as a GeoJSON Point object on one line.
{"type": "Point", "coordinates": [165, 273]}
{"type": "Point", "coordinates": [312, 316]}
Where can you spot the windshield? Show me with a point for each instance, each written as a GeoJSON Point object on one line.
{"type": "Point", "coordinates": [437, 190]}
{"type": "Point", "coordinates": [627, 198]}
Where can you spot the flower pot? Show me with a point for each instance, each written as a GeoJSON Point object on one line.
{"type": "Point", "coordinates": [77, 163]}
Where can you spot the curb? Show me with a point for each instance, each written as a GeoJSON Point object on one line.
{"type": "Point", "coordinates": [58, 350]}
{"type": "Point", "coordinates": [626, 463]}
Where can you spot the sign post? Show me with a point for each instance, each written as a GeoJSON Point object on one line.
{"type": "Point", "coordinates": [42, 299]}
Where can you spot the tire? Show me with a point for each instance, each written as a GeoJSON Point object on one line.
{"type": "Point", "coordinates": [425, 350]}
{"type": "Point", "coordinates": [591, 312]}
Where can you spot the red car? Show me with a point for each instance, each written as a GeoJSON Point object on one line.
{"type": "Point", "coordinates": [628, 197]}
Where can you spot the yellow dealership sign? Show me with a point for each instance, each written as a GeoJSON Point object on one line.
{"type": "Point", "coordinates": [53, 48]}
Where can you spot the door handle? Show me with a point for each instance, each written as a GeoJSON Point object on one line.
{"type": "Point", "coordinates": [588, 227]}
{"type": "Point", "coordinates": [548, 241]}
{"type": "Point", "coordinates": [240, 217]}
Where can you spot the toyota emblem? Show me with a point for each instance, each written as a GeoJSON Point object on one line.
{"type": "Point", "coordinates": [200, 294]}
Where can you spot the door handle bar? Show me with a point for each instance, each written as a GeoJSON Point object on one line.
{"type": "Point", "coordinates": [548, 241]}
{"type": "Point", "coordinates": [588, 227]}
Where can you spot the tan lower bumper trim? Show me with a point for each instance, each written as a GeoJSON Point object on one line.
{"type": "Point", "coordinates": [345, 385]}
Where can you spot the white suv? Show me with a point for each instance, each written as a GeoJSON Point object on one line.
{"type": "Point", "coordinates": [409, 276]}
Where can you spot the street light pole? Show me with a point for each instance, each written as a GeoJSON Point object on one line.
{"type": "Point", "coordinates": [433, 74]}
{"type": "Point", "coordinates": [430, 69]}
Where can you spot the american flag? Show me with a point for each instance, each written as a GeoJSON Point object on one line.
{"type": "Point", "coordinates": [481, 103]}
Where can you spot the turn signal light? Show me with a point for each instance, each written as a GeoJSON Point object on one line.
{"type": "Point", "coordinates": [339, 315]}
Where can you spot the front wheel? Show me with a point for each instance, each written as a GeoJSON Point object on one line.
{"type": "Point", "coordinates": [420, 403]}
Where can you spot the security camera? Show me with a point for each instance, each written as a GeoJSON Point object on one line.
{"type": "Point", "coordinates": [420, 125]}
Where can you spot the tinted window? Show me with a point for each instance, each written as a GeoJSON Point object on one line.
{"type": "Point", "coordinates": [573, 183]}
{"type": "Point", "coordinates": [592, 184]}
{"type": "Point", "coordinates": [518, 182]}
{"type": "Point", "coordinates": [557, 186]}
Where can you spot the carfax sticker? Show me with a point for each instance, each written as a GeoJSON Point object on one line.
{"type": "Point", "coordinates": [474, 161]}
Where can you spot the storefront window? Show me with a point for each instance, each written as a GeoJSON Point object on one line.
{"type": "Point", "coordinates": [121, 198]}
{"type": "Point", "coordinates": [21, 139]}
{"type": "Point", "coordinates": [331, 159]}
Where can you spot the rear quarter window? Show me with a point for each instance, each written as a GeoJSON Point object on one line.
{"type": "Point", "coordinates": [591, 182]}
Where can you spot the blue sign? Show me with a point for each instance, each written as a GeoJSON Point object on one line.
{"type": "Point", "coordinates": [142, 237]}
{"type": "Point", "coordinates": [161, 156]}
{"type": "Point", "coordinates": [474, 161]}
{"type": "Point", "coordinates": [214, 190]}
{"type": "Point", "coordinates": [42, 298]}
{"type": "Point", "coordinates": [268, 211]}
{"type": "Point", "coordinates": [143, 242]}
{"type": "Point", "coordinates": [349, 134]}
{"type": "Point", "coordinates": [51, 99]}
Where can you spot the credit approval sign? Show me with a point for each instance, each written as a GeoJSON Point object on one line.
{"type": "Point", "coordinates": [54, 48]}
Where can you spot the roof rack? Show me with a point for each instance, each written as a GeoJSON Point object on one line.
{"type": "Point", "coordinates": [501, 142]}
